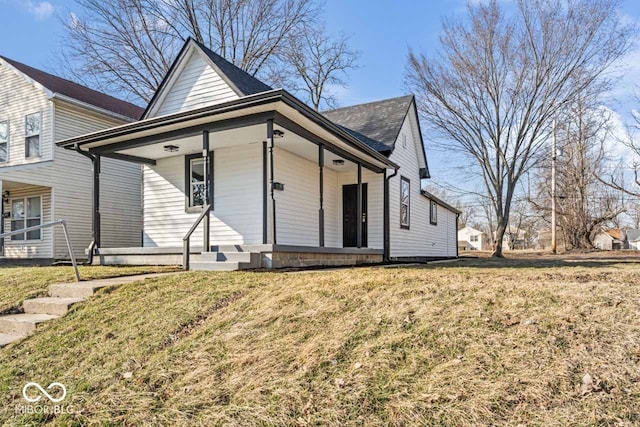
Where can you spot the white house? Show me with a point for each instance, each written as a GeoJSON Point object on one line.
{"type": "Point", "coordinates": [471, 239]}
{"type": "Point", "coordinates": [42, 183]}
{"type": "Point", "coordinates": [608, 240]}
{"type": "Point", "coordinates": [264, 180]}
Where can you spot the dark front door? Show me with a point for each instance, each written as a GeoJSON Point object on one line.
{"type": "Point", "coordinates": [350, 215]}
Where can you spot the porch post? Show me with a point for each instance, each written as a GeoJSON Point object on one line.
{"type": "Point", "coordinates": [272, 180]}
{"type": "Point", "coordinates": [321, 211]}
{"type": "Point", "coordinates": [206, 244]}
{"type": "Point", "coordinates": [265, 195]}
{"type": "Point", "coordinates": [96, 200]}
{"type": "Point", "coordinates": [359, 215]}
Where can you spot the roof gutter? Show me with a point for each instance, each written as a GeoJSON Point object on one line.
{"type": "Point", "coordinates": [440, 202]}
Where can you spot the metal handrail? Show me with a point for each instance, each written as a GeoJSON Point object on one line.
{"type": "Point", "coordinates": [51, 224]}
{"type": "Point", "coordinates": [187, 238]}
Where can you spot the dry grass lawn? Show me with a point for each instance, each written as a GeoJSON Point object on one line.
{"type": "Point", "coordinates": [20, 283]}
{"type": "Point", "coordinates": [519, 342]}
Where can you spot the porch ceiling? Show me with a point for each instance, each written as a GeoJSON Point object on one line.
{"type": "Point", "coordinates": [234, 137]}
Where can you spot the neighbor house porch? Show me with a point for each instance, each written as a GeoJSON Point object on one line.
{"type": "Point", "coordinates": [266, 185]}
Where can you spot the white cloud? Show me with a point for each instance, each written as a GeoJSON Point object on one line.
{"type": "Point", "coordinates": [41, 10]}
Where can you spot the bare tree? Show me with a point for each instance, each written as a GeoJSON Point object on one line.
{"type": "Point", "coordinates": [127, 46]}
{"type": "Point", "coordinates": [318, 63]}
{"type": "Point", "coordinates": [585, 205]}
{"type": "Point", "coordinates": [501, 77]}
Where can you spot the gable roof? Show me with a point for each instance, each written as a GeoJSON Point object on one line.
{"type": "Point", "coordinates": [615, 233]}
{"type": "Point", "coordinates": [241, 82]}
{"type": "Point", "coordinates": [58, 85]}
{"type": "Point", "coordinates": [377, 124]}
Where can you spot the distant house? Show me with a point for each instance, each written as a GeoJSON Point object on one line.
{"type": "Point", "coordinates": [470, 239]}
{"type": "Point", "coordinates": [632, 239]}
{"type": "Point", "coordinates": [609, 240]}
{"type": "Point", "coordinates": [513, 240]}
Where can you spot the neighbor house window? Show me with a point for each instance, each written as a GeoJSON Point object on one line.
{"type": "Point", "coordinates": [195, 179]}
{"type": "Point", "coordinates": [474, 238]}
{"type": "Point", "coordinates": [26, 212]}
{"type": "Point", "coordinates": [433, 213]}
{"type": "Point", "coordinates": [32, 129]}
{"type": "Point", "coordinates": [405, 186]}
{"type": "Point", "coordinates": [4, 141]}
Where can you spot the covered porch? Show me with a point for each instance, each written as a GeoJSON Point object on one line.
{"type": "Point", "coordinates": [260, 182]}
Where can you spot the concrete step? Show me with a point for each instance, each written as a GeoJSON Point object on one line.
{"type": "Point", "coordinates": [215, 266]}
{"type": "Point", "coordinates": [6, 339]}
{"type": "Point", "coordinates": [252, 258]}
{"type": "Point", "coordinates": [53, 306]}
{"type": "Point", "coordinates": [86, 289]}
{"type": "Point", "coordinates": [22, 324]}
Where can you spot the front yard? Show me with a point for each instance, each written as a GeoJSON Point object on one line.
{"type": "Point", "coordinates": [20, 283]}
{"type": "Point", "coordinates": [481, 342]}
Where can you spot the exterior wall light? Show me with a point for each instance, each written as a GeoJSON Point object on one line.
{"type": "Point", "coordinates": [171, 148]}
{"type": "Point", "coordinates": [338, 162]}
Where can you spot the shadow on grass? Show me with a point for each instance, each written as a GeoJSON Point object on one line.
{"type": "Point", "coordinates": [542, 262]}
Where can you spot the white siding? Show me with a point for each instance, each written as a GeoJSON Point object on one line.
{"type": "Point", "coordinates": [237, 215]}
{"type": "Point", "coordinates": [67, 175]}
{"type": "Point", "coordinates": [197, 84]}
{"type": "Point", "coordinates": [18, 97]}
{"type": "Point", "coordinates": [32, 248]}
{"type": "Point", "coordinates": [422, 239]}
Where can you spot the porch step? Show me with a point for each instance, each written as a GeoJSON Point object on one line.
{"type": "Point", "coordinates": [252, 258]}
{"type": "Point", "coordinates": [22, 324]}
{"type": "Point", "coordinates": [217, 266]}
{"type": "Point", "coordinates": [6, 339]}
{"type": "Point", "coordinates": [51, 305]}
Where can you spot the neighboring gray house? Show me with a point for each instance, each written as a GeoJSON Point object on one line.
{"type": "Point", "coordinates": [41, 182]}
{"type": "Point", "coordinates": [632, 239]}
{"type": "Point", "coordinates": [273, 182]}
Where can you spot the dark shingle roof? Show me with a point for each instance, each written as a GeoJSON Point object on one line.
{"type": "Point", "coordinates": [633, 235]}
{"type": "Point", "coordinates": [377, 124]}
{"type": "Point", "coordinates": [78, 92]}
{"type": "Point", "coordinates": [245, 82]}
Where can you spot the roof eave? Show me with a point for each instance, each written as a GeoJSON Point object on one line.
{"type": "Point", "coordinates": [86, 106]}
{"type": "Point", "coordinates": [440, 201]}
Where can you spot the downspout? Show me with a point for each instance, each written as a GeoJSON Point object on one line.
{"type": "Point", "coordinates": [387, 229]}
{"type": "Point", "coordinates": [95, 162]}
{"type": "Point", "coordinates": [457, 249]}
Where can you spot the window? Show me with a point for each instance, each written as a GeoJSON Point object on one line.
{"type": "Point", "coordinates": [433, 213]}
{"type": "Point", "coordinates": [473, 238]}
{"type": "Point", "coordinates": [32, 216]}
{"type": "Point", "coordinates": [405, 186]}
{"type": "Point", "coordinates": [4, 141]}
{"type": "Point", "coordinates": [195, 192]}
{"type": "Point", "coordinates": [32, 129]}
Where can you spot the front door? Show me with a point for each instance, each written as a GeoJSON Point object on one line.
{"type": "Point", "coordinates": [350, 215]}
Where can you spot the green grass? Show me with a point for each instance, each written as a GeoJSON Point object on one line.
{"type": "Point", "coordinates": [485, 343]}
{"type": "Point", "coordinates": [20, 283]}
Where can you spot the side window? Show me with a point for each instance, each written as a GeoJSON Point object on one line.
{"type": "Point", "coordinates": [405, 196]}
{"type": "Point", "coordinates": [195, 185]}
{"type": "Point", "coordinates": [4, 141]}
{"type": "Point", "coordinates": [433, 213]}
{"type": "Point", "coordinates": [17, 218]}
{"type": "Point", "coordinates": [32, 130]}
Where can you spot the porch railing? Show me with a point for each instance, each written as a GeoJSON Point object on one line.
{"type": "Point", "coordinates": [61, 222]}
{"type": "Point", "coordinates": [187, 238]}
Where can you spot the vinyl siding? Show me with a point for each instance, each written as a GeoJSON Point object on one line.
{"type": "Point", "coordinates": [422, 239]}
{"type": "Point", "coordinates": [197, 84]}
{"type": "Point", "coordinates": [237, 214]}
{"type": "Point", "coordinates": [67, 175]}
{"type": "Point", "coordinates": [19, 97]}
{"type": "Point", "coordinates": [120, 187]}
{"type": "Point", "coordinates": [32, 248]}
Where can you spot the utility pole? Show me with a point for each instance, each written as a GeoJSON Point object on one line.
{"type": "Point", "coordinates": [554, 155]}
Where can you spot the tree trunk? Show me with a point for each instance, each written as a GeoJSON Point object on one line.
{"type": "Point", "coordinates": [497, 249]}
